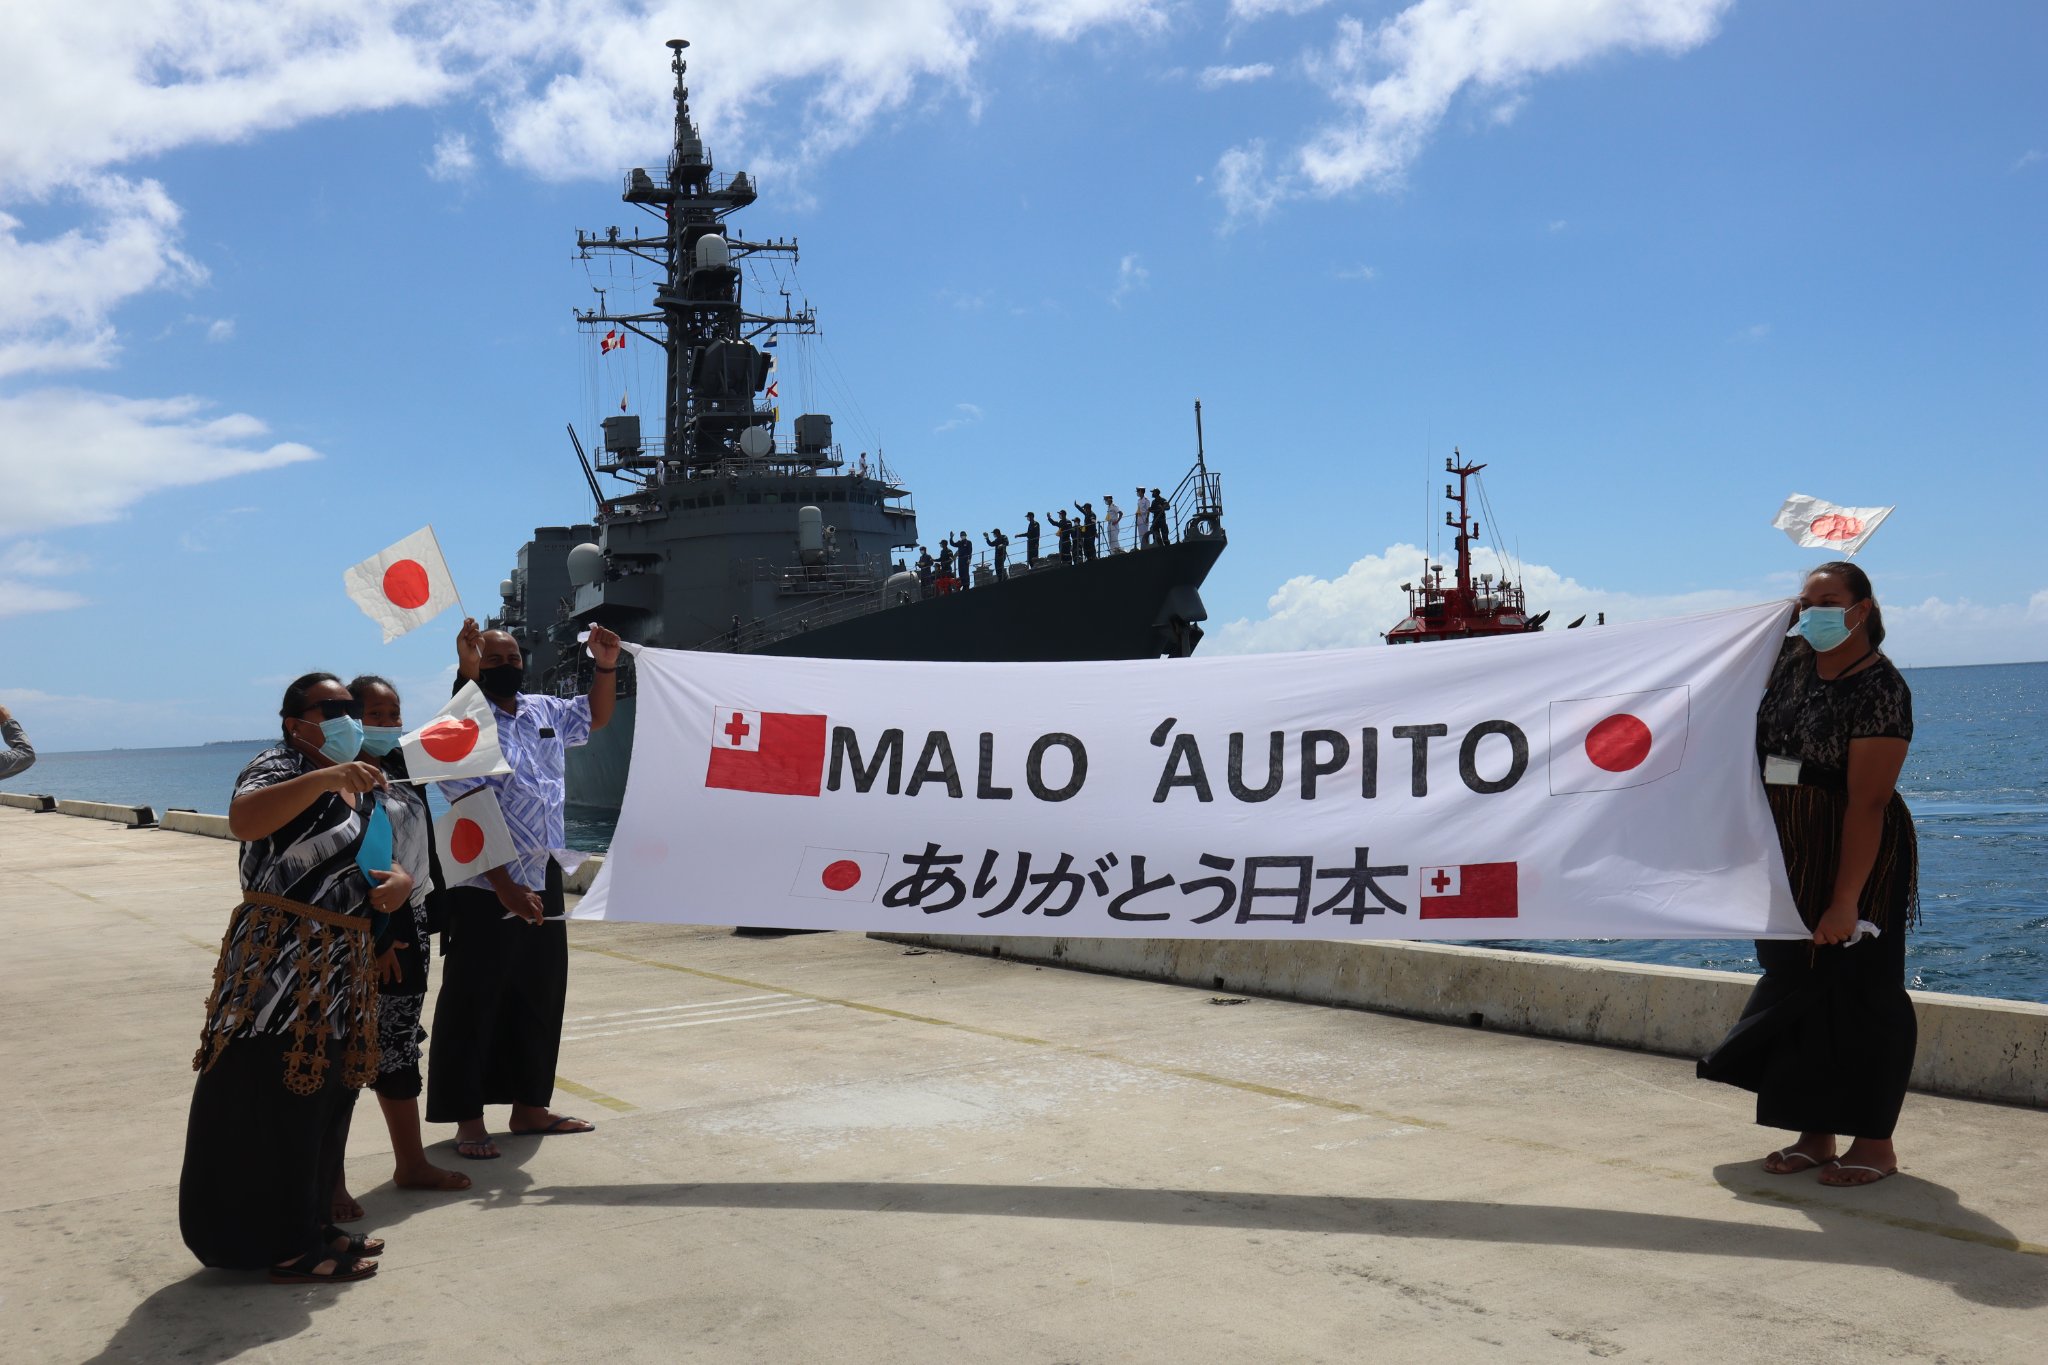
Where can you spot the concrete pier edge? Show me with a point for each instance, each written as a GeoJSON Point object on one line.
{"type": "Point", "coordinates": [1970, 1047]}
{"type": "Point", "coordinates": [33, 802]}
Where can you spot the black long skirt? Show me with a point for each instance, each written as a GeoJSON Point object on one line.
{"type": "Point", "coordinates": [1827, 1038]}
{"type": "Point", "coordinates": [498, 1024]}
{"type": "Point", "coordinates": [260, 1161]}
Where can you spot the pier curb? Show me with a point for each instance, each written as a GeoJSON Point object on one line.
{"type": "Point", "coordinates": [180, 821]}
{"type": "Point", "coordinates": [28, 801]}
{"type": "Point", "coordinates": [133, 816]}
{"type": "Point", "coordinates": [1970, 1047]}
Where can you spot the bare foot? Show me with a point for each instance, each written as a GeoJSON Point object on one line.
{"type": "Point", "coordinates": [1812, 1149]}
{"type": "Point", "coordinates": [528, 1122]}
{"type": "Point", "coordinates": [346, 1209]}
{"type": "Point", "coordinates": [1866, 1162]}
{"type": "Point", "coordinates": [430, 1178]}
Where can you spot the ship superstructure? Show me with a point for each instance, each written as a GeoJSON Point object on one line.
{"type": "Point", "coordinates": [1469, 605]}
{"type": "Point", "coordinates": [726, 532]}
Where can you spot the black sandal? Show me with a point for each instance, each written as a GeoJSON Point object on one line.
{"type": "Point", "coordinates": [305, 1270]}
{"type": "Point", "coordinates": [359, 1246]}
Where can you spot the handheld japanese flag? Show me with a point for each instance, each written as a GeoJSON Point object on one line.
{"type": "Point", "coordinates": [404, 587]}
{"type": "Point", "coordinates": [1818, 524]}
{"type": "Point", "coordinates": [461, 741]}
{"type": "Point", "coordinates": [472, 837]}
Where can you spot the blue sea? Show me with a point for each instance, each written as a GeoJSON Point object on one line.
{"type": "Point", "coordinates": [1976, 778]}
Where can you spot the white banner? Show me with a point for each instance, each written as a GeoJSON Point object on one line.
{"type": "Point", "coordinates": [1583, 784]}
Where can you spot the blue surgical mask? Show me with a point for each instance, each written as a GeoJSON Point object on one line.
{"type": "Point", "coordinates": [343, 738]}
{"type": "Point", "coordinates": [379, 740]}
{"type": "Point", "coordinates": [1824, 627]}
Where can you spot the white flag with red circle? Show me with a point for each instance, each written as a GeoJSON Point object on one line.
{"type": "Point", "coordinates": [460, 741]}
{"type": "Point", "coordinates": [1818, 524]}
{"type": "Point", "coordinates": [404, 587]}
{"type": "Point", "coordinates": [472, 838]}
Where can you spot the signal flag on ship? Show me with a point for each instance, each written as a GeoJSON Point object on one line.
{"type": "Point", "coordinates": [611, 341]}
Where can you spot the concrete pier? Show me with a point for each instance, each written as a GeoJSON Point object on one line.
{"type": "Point", "coordinates": [831, 1148]}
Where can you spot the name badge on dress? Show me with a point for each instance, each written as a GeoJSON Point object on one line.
{"type": "Point", "coordinates": [547, 732]}
{"type": "Point", "coordinates": [1780, 771]}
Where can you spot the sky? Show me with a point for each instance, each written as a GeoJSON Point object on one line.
{"type": "Point", "coordinates": [283, 280]}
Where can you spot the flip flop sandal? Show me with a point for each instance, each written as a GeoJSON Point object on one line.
{"type": "Point", "coordinates": [462, 1143]}
{"type": "Point", "coordinates": [555, 1129]}
{"type": "Point", "coordinates": [359, 1246]}
{"type": "Point", "coordinates": [305, 1270]}
{"type": "Point", "coordinates": [1877, 1173]}
{"type": "Point", "coordinates": [1785, 1154]}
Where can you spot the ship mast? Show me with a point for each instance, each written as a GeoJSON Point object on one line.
{"type": "Point", "coordinates": [1462, 522]}
{"type": "Point", "coordinates": [699, 318]}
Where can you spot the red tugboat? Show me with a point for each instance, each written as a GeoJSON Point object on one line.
{"type": "Point", "coordinates": [1462, 611]}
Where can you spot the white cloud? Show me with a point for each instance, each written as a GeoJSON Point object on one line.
{"type": "Point", "coordinates": [1247, 189]}
{"type": "Point", "coordinates": [964, 415]}
{"type": "Point", "coordinates": [32, 559]}
{"type": "Point", "coordinates": [1756, 331]}
{"type": "Point", "coordinates": [57, 294]}
{"type": "Point", "coordinates": [1131, 276]}
{"type": "Point", "coordinates": [2033, 156]}
{"type": "Point", "coordinates": [453, 160]}
{"type": "Point", "coordinates": [1216, 77]}
{"type": "Point", "coordinates": [1250, 10]}
{"type": "Point", "coordinates": [220, 329]}
{"type": "Point", "coordinates": [1353, 609]}
{"type": "Point", "coordinates": [1393, 82]}
{"type": "Point", "coordinates": [117, 451]}
{"type": "Point", "coordinates": [1363, 274]}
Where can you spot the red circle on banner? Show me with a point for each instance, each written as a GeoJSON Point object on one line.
{"type": "Point", "coordinates": [1837, 526]}
{"type": "Point", "coordinates": [1618, 743]}
{"type": "Point", "coordinates": [843, 875]}
{"type": "Point", "coordinates": [449, 740]}
{"type": "Point", "coordinates": [405, 583]}
{"type": "Point", "coordinates": [466, 841]}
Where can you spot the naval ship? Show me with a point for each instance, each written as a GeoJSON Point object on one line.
{"type": "Point", "coordinates": [727, 531]}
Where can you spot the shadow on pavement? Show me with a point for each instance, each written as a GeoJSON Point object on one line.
{"type": "Point", "coordinates": [1923, 1220]}
{"type": "Point", "coordinates": [217, 1315]}
{"type": "Point", "coordinates": [1914, 1245]}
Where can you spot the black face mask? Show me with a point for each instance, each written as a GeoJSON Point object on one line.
{"type": "Point", "coordinates": [502, 681]}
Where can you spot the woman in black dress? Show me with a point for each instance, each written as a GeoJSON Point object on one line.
{"type": "Point", "coordinates": [291, 1028]}
{"type": "Point", "coordinates": [1827, 1038]}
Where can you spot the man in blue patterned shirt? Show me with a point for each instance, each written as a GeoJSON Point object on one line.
{"type": "Point", "coordinates": [498, 1024]}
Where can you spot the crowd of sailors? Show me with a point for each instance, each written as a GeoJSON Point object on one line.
{"type": "Point", "coordinates": [1079, 537]}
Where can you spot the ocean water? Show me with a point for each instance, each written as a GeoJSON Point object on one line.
{"type": "Point", "coordinates": [1976, 778]}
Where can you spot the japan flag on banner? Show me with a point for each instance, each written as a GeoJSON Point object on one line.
{"type": "Point", "coordinates": [1817, 524]}
{"type": "Point", "coordinates": [1601, 744]}
{"type": "Point", "coordinates": [1470, 891]}
{"type": "Point", "coordinates": [840, 874]}
{"type": "Point", "coordinates": [779, 753]}
{"type": "Point", "coordinates": [472, 838]}
{"type": "Point", "coordinates": [404, 587]}
{"type": "Point", "coordinates": [461, 741]}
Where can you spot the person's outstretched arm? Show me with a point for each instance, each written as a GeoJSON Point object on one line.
{"type": "Point", "coordinates": [17, 755]}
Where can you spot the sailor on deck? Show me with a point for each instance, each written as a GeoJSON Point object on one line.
{"type": "Point", "coordinates": [1000, 543]}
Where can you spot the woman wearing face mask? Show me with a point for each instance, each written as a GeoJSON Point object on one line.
{"type": "Point", "coordinates": [291, 1025]}
{"type": "Point", "coordinates": [402, 953]}
{"type": "Point", "coordinates": [1827, 1038]}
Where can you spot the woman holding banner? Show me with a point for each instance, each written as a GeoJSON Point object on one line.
{"type": "Point", "coordinates": [290, 1029]}
{"type": "Point", "coordinates": [1828, 1036]}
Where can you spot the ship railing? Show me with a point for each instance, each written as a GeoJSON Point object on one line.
{"type": "Point", "coordinates": [855, 600]}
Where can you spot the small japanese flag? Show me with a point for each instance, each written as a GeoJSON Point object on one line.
{"type": "Point", "coordinates": [839, 874]}
{"type": "Point", "coordinates": [404, 587]}
{"type": "Point", "coordinates": [460, 741]}
{"type": "Point", "coordinates": [1820, 525]}
{"type": "Point", "coordinates": [1630, 739]}
{"type": "Point", "coordinates": [472, 837]}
